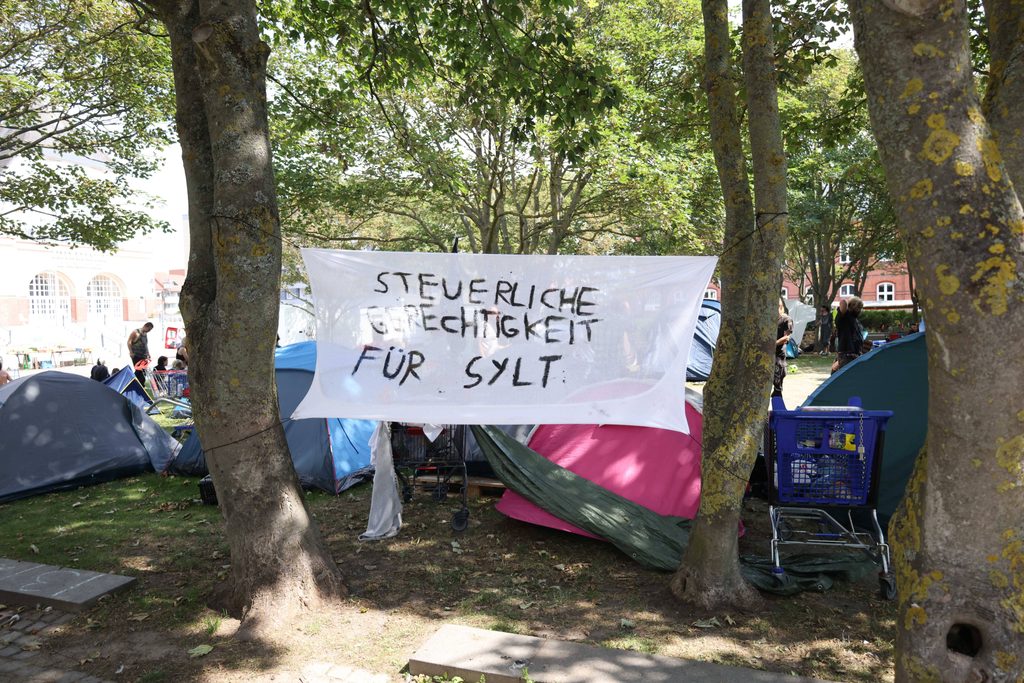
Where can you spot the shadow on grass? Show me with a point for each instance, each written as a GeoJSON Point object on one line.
{"type": "Point", "coordinates": [499, 574]}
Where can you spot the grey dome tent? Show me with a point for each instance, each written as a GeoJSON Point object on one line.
{"type": "Point", "coordinates": [61, 431]}
{"type": "Point", "coordinates": [705, 338]}
{"type": "Point", "coordinates": [329, 454]}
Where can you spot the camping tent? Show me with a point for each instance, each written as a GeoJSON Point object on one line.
{"type": "Point", "coordinates": [656, 468]}
{"type": "Point", "coordinates": [127, 384]}
{"type": "Point", "coordinates": [705, 338]}
{"type": "Point", "coordinates": [329, 454]}
{"type": "Point", "coordinates": [892, 377]}
{"type": "Point", "coordinates": [59, 431]}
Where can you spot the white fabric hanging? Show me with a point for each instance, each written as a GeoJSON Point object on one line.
{"type": "Point", "coordinates": [385, 502]}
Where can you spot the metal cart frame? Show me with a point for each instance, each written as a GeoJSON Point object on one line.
{"type": "Point", "coordinates": [432, 464]}
{"type": "Point", "coordinates": [822, 463]}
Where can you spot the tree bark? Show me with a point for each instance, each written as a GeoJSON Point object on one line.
{"type": "Point", "coordinates": [279, 563]}
{"type": "Point", "coordinates": [1004, 97]}
{"type": "Point", "coordinates": [958, 543]}
{"type": "Point", "coordinates": [751, 262]}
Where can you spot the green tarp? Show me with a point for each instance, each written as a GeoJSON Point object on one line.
{"type": "Point", "coordinates": [651, 539]}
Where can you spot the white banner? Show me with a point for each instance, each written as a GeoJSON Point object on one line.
{"type": "Point", "coordinates": [500, 339]}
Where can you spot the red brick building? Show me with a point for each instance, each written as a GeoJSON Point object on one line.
{"type": "Point", "coordinates": [886, 286]}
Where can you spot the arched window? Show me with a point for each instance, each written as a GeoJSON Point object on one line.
{"type": "Point", "coordinates": [48, 298]}
{"type": "Point", "coordinates": [710, 294]}
{"type": "Point", "coordinates": [104, 298]}
{"type": "Point", "coordinates": [886, 291]}
{"type": "Point", "coordinates": [784, 293]}
{"type": "Point", "coordinates": [846, 290]}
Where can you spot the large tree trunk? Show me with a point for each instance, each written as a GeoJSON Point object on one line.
{"type": "Point", "coordinates": [958, 543]}
{"type": "Point", "coordinates": [279, 563]}
{"type": "Point", "coordinates": [736, 393]}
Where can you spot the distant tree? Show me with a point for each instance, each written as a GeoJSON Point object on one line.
{"type": "Point", "coordinates": [428, 158]}
{"type": "Point", "coordinates": [841, 221]}
{"type": "Point", "coordinates": [79, 81]}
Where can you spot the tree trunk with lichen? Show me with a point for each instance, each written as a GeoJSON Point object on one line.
{"type": "Point", "coordinates": [736, 393]}
{"type": "Point", "coordinates": [279, 563]}
{"type": "Point", "coordinates": [958, 541]}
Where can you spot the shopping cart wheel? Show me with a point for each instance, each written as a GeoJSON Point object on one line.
{"type": "Point", "coordinates": [887, 586]}
{"type": "Point", "coordinates": [460, 520]}
{"type": "Point", "coordinates": [440, 492]}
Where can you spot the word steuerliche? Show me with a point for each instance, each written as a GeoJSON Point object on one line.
{"type": "Point", "coordinates": [476, 309]}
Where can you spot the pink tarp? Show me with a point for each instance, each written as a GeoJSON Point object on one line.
{"type": "Point", "coordinates": [656, 468]}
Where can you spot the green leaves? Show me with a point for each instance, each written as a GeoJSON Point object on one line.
{"type": "Point", "coordinates": [89, 82]}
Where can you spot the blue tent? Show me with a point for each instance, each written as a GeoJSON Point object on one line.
{"type": "Point", "coordinates": [891, 377]}
{"type": "Point", "coordinates": [127, 384]}
{"type": "Point", "coordinates": [61, 431]}
{"type": "Point", "coordinates": [330, 454]}
{"type": "Point", "coordinates": [705, 338]}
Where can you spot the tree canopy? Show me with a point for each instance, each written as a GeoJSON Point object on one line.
{"type": "Point", "coordinates": [85, 99]}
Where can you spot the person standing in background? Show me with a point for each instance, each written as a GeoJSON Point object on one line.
{"type": "Point", "coordinates": [785, 330]}
{"type": "Point", "coordinates": [182, 353]}
{"type": "Point", "coordinates": [5, 376]}
{"type": "Point", "coordinates": [138, 349]}
{"type": "Point", "coordinates": [824, 329]}
{"type": "Point", "coordinates": [849, 332]}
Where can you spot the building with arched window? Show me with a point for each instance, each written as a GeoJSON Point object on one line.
{"type": "Point", "coordinates": [58, 297]}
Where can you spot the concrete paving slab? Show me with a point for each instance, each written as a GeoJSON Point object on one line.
{"type": "Point", "coordinates": [28, 583]}
{"type": "Point", "coordinates": [502, 657]}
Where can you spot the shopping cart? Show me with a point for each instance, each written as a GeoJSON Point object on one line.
{"type": "Point", "coordinates": [827, 457]}
{"type": "Point", "coordinates": [432, 465]}
{"type": "Point", "coordinates": [169, 387]}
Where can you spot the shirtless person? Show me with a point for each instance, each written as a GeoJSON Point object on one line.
{"type": "Point", "coordinates": [5, 376]}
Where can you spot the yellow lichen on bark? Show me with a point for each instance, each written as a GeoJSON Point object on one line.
{"type": "Point", "coordinates": [921, 189]}
{"type": "Point", "coordinates": [914, 86]}
{"type": "Point", "coordinates": [948, 283]}
{"type": "Point", "coordinates": [992, 159]}
{"type": "Point", "coordinates": [915, 616]}
{"type": "Point", "coordinates": [1013, 555]}
{"type": "Point", "coordinates": [997, 272]}
{"type": "Point", "coordinates": [1010, 457]}
{"type": "Point", "coordinates": [941, 141]}
{"type": "Point", "coordinates": [927, 50]}
{"type": "Point", "coordinates": [964, 168]}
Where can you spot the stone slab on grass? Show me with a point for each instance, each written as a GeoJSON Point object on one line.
{"type": "Point", "coordinates": [502, 657]}
{"type": "Point", "coordinates": [28, 583]}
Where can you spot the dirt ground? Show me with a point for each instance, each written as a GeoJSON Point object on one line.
{"type": "Point", "coordinates": [499, 574]}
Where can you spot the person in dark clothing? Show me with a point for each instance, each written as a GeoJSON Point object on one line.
{"type": "Point", "coordinates": [849, 332]}
{"type": "Point", "coordinates": [824, 329]}
{"type": "Point", "coordinates": [181, 354]}
{"type": "Point", "coordinates": [99, 371]}
{"type": "Point", "coordinates": [161, 364]}
{"type": "Point", "coordinates": [784, 331]}
{"type": "Point", "coordinates": [138, 348]}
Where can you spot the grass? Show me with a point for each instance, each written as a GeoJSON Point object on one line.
{"type": "Point", "coordinates": [810, 362]}
{"type": "Point", "coordinates": [508, 576]}
{"type": "Point", "coordinates": [112, 527]}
